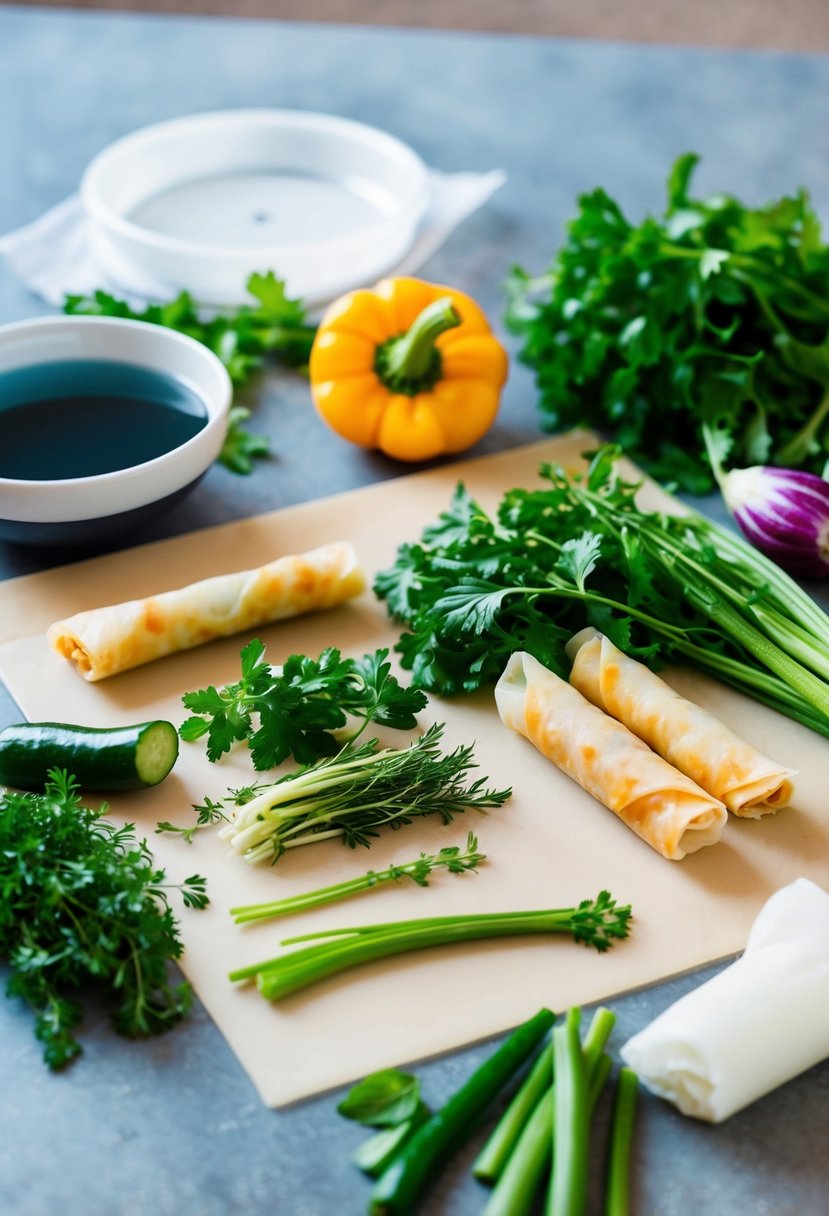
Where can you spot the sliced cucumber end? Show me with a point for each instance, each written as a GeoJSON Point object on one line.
{"type": "Point", "coordinates": [156, 752]}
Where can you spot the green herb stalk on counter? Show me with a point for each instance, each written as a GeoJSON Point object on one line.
{"type": "Point", "coordinates": [452, 858]}
{"type": "Point", "coordinates": [406, 1177]}
{"type": "Point", "coordinates": [540, 1143]}
{"type": "Point", "coordinates": [598, 922]}
{"type": "Point", "coordinates": [82, 904]}
{"type": "Point", "coordinates": [716, 313]}
{"type": "Point", "coordinates": [579, 551]}
{"type": "Point", "coordinates": [272, 324]}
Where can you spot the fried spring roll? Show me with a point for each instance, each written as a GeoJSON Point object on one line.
{"type": "Point", "coordinates": [660, 804]}
{"type": "Point", "coordinates": [689, 737]}
{"type": "Point", "coordinates": [107, 640]}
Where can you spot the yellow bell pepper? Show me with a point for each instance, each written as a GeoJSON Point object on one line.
{"type": "Point", "coordinates": [408, 367]}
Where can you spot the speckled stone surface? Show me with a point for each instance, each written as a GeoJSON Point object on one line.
{"type": "Point", "coordinates": [173, 1127]}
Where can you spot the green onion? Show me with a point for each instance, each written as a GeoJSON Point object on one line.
{"type": "Point", "coordinates": [597, 923]}
{"type": "Point", "coordinates": [568, 1192]}
{"type": "Point", "coordinates": [621, 1137]}
{"type": "Point", "coordinates": [399, 1188]}
{"type": "Point", "coordinates": [531, 1155]}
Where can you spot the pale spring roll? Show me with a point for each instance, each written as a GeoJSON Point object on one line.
{"type": "Point", "coordinates": [107, 640]}
{"type": "Point", "coordinates": [753, 1026]}
{"type": "Point", "coordinates": [689, 737]}
{"type": "Point", "coordinates": [661, 805]}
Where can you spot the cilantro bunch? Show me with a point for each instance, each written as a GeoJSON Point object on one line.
{"type": "Point", "coordinates": [274, 324]}
{"type": "Point", "coordinates": [579, 552]}
{"type": "Point", "coordinates": [293, 710]}
{"type": "Point", "coordinates": [82, 905]}
{"type": "Point", "coordinates": [714, 316]}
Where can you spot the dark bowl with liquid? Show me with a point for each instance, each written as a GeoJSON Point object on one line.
{"type": "Point", "coordinates": [105, 424]}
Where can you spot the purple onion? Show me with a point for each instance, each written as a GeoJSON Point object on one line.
{"type": "Point", "coordinates": [784, 513]}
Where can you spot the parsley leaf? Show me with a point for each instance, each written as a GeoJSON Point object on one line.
{"type": "Point", "coordinates": [295, 710]}
{"type": "Point", "coordinates": [82, 901]}
{"type": "Point", "coordinates": [714, 312]}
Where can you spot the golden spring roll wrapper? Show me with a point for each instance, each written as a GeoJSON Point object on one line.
{"type": "Point", "coordinates": [104, 641]}
{"type": "Point", "coordinates": [686, 735]}
{"type": "Point", "coordinates": [661, 805]}
{"type": "Point", "coordinates": [753, 1026]}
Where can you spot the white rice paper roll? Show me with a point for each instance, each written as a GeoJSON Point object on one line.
{"type": "Point", "coordinates": [754, 1026]}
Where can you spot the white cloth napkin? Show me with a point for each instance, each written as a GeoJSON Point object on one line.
{"type": "Point", "coordinates": [52, 255]}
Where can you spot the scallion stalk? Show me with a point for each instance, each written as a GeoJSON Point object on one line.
{"type": "Point", "coordinates": [597, 923]}
{"type": "Point", "coordinates": [617, 1195]}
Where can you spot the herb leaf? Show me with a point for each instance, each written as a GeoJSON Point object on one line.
{"type": "Point", "coordinates": [383, 1099]}
{"type": "Point", "coordinates": [293, 711]}
{"type": "Point", "coordinates": [650, 331]}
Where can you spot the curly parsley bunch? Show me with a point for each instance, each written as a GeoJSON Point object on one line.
{"type": "Point", "coordinates": [82, 905]}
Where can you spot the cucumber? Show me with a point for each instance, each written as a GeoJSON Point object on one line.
{"type": "Point", "coordinates": [114, 758]}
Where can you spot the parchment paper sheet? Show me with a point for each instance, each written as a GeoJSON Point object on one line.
{"type": "Point", "coordinates": [549, 846]}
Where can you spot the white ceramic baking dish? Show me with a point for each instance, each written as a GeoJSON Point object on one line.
{"type": "Point", "coordinates": [199, 203]}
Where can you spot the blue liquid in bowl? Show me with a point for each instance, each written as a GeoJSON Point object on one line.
{"type": "Point", "coordinates": [81, 418]}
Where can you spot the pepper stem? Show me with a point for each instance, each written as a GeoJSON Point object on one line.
{"type": "Point", "coordinates": [410, 363]}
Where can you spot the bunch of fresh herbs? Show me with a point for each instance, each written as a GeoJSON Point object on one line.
{"type": "Point", "coordinates": [273, 324]}
{"type": "Point", "coordinates": [352, 795]}
{"type": "Point", "coordinates": [294, 709]}
{"type": "Point", "coordinates": [82, 905]}
{"type": "Point", "coordinates": [579, 551]}
{"type": "Point", "coordinates": [715, 315]}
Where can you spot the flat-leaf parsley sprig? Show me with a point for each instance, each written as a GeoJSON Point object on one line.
{"type": "Point", "coordinates": [294, 710]}
{"type": "Point", "coordinates": [354, 794]}
{"type": "Point", "coordinates": [83, 904]}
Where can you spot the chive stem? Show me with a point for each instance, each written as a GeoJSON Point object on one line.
{"type": "Point", "coordinates": [493, 1157]}
{"type": "Point", "coordinates": [617, 1196]}
{"type": "Point", "coordinates": [568, 1190]}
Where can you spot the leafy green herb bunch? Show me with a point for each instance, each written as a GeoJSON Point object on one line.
{"type": "Point", "coordinates": [715, 315]}
{"type": "Point", "coordinates": [83, 907]}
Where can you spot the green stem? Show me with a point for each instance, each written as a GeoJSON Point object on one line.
{"type": "Point", "coordinates": [398, 1190]}
{"type": "Point", "coordinates": [493, 1157]}
{"type": "Point", "coordinates": [617, 1196]}
{"type": "Point", "coordinates": [568, 1192]}
{"type": "Point", "coordinates": [812, 689]}
{"type": "Point", "coordinates": [756, 569]}
{"type": "Point", "coordinates": [595, 923]}
{"type": "Point", "coordinates": [519, 1181]}
{"type": "Point", "coordinates": [517, 1187]}
{"type": "Point", "coordinates": [456, 859]}
{"type": "Point", "coordinates": [796, 449]}
{"type": "Point", "coordinates": [796, 641]}
{"type": "Point", "coordinates": [411, 363]}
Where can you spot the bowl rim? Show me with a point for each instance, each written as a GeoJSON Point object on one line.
{"type": "Point", "coordinates": [312, 120]}
{"type": "Point", "coordinates": [206, 441]}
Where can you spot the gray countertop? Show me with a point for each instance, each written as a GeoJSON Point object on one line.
{"type": "Point", "coordinates": [173, 1125]}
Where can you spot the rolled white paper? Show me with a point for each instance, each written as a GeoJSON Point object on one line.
{"type": "Point", "coordinates": [753, 1026]}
